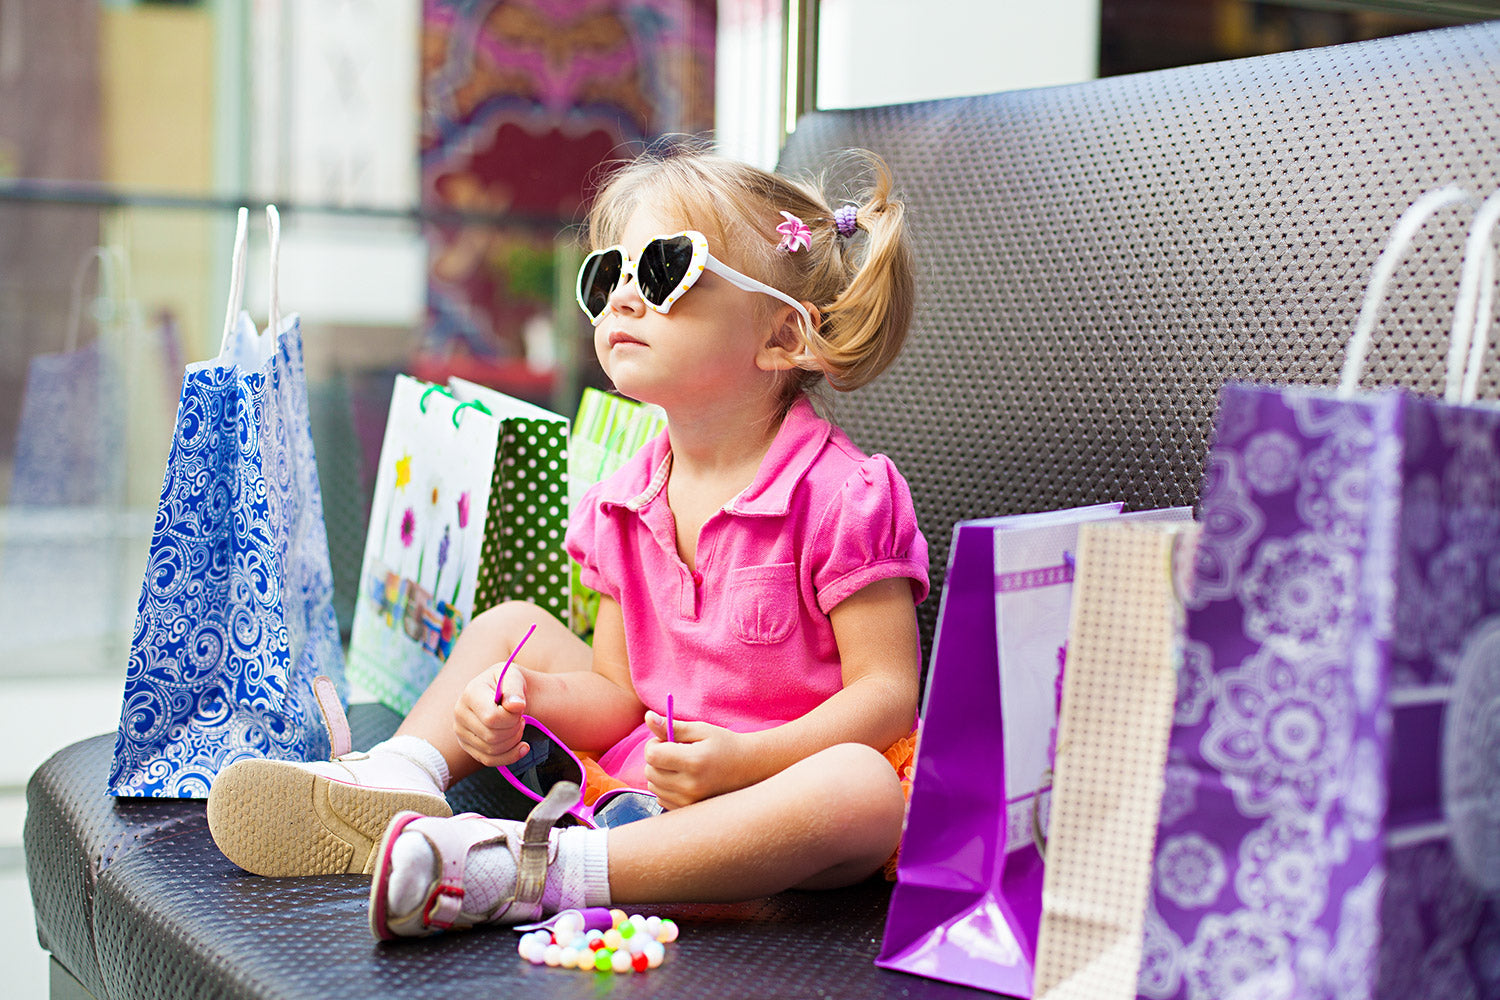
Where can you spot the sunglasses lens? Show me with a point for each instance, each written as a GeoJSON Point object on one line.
{"type": "Point", "coordinates": [545, 764]}
{"type": "Point", "coordinates": [663, 266]}
{"type": "Point", "coordinates": [626, 806]}
{"type": "Point", "coordinates": [598, 277]}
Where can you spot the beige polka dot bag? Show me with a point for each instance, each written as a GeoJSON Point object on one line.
{"type": "Point", "coordinates": [470, 507]}
{"type": "Point", "coordinates": [1119, 687]}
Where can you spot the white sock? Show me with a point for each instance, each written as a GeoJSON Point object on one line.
{"type": "Point", "coordinates": [577, 877]}
{"type": "Point", "coordinates": [421, 753]}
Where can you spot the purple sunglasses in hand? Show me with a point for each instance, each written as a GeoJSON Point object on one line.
{"type": "Point", "coordinates": [548, 761]}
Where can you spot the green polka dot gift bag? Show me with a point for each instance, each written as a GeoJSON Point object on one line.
{"type": "Point", "coordinates": [470, 508]}
{"type": "Point", "coordinates": [607, 433]}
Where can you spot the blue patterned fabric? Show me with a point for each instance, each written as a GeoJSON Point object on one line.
{"type": "Point", "coordinates": [236, 615]}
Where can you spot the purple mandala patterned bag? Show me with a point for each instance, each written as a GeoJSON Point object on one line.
{"type": "Point", "coordinates": [1331, 815]}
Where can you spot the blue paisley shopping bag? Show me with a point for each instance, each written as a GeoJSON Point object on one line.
{"type": "Point", "coordinates": [236, 616]}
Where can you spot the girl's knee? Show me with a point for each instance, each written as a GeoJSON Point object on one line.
{"type": "Point", "coordinates": [504, 623]}
{"type": "Point", "coordinates": [864, 791]}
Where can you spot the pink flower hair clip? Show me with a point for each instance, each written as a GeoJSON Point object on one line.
{"type": "Point", "coordinates": [794, 234]}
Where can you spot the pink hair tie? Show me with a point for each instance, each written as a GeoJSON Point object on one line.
{"type": "Point", "coordinates": [794, 234]}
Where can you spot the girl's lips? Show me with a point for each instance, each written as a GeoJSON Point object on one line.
{"type": "Point", "coordinates": [617, 338]}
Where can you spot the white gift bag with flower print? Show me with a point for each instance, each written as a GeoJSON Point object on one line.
{"type": "Point", "coordinates": [469, 509]}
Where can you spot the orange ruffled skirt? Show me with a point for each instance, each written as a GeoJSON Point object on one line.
{"type": "Point", "coordinates": [902, 756]}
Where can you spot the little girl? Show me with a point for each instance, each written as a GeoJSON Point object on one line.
{"type": "Point", "coordinates": [755, 567]}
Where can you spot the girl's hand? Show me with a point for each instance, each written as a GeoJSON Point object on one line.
{"type": "Point", "coordinates": [705, 760]}
{"type": "Point", "coordinates": [488, 732]}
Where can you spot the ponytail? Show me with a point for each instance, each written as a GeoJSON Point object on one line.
{"type": "Point", "coordinates": [865, 326]}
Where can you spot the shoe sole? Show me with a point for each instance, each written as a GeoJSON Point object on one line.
{"type": "Point", "coordinates": [275, 819]}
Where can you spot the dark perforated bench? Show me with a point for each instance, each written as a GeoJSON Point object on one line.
{"type": "Point", "coordinates": [1095, 261]}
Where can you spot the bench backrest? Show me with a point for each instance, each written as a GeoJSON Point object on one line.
{"type": "Point", "coordinates": [1096, 259]}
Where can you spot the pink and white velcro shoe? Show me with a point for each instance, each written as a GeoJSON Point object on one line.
{"type": "Point", "coordinates": [443, 904]}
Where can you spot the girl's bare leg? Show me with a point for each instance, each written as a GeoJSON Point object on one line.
{"type": "Point", "coordinates": [829, 820]}
{"type": "Point", "coordinates": [484, 642]}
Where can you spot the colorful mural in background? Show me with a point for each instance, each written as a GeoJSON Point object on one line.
{"type": "Point", "coordinates": [523, 101]}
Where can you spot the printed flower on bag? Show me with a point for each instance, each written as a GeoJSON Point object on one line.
{"type": "Point", "coordinates": [1283, 871]}
{"type": "Point", "coordinates": [1237, 416]}
{"type": "Point", "coordinates": [1194, 683]}
{"type": "Point", "coordinates": [1180, 793]}
{"type": "Point", "coordinates": [1471, 782]}
{"type": "Point", "coordinates": [1362, 806]}
{"type": "Point", "coordinates": [1486, 954]}
{"type": "Point", "coordinates": [1421, 513]}
{"type": "Point", "coordinates": [1299, 592]}
{"type": "Point", "coordinates": [1190, 871]}
{"type": "Point", "coordinates": [1410, 612]}
{"type": "Point", "coordinates": [1319, 415]}
{"type": "Point", "coordinates": [1471, 482]}
{"type": "Point", "coordinates": [1333, 498]}
{"type": "Point", "coordinates": [1235, 956]}
{"type": "Point", "coordinates": [1352, 958]}
{"type": "Point", "coordinates": [1281, 733]}
{"type": "Point", "coordinates": [1271, 462]}
{"type": "Point", "coordinates": [1492, 579]}
{"type": "Point", "coordinates": [1443, 897]}
{"type": "Point", "coordinates": [442, 557]}
{"type": "Point", "coordinates": [1445, 975]}
{"type": "Point", "coordinates": [1161, 955]}
{"type": "Point", "coordinates": [1393, 947]}
{"type": "Point", "coordinates": [1231, 523]}
{"type": "Point", "coordinates": [408, 527]}
{"type": "Point", "coordinates": [1309, 961]}
{"type": "Point", "coordinates": [463, 509]}
{"type": "Point", "coordinates": [1455, 601]}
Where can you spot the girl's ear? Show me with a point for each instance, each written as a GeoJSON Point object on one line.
{"type": "Point", "coordinates": [784, 348]}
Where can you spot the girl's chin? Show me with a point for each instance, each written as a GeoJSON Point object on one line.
{"type": "Point", "coordinates": [629, 387]}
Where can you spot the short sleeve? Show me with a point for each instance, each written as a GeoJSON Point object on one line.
{"type": "Point", "coordinates": [869, 533]}
{"type": "Point", "coordinates": [587, 541]}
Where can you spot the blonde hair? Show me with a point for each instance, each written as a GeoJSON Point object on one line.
{"type": "Point", "coordinates": [864, 287]}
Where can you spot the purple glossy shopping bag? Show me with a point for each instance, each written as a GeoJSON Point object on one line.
{"type": "Point", "coordinates": [967, 903]}
{"type": "Point", "coordinates": [1332, 798]}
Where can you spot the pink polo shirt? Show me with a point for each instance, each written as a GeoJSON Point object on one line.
{"type": "Point", "coordinates": [745, 642]}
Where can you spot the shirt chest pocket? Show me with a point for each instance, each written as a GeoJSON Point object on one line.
{"type": "Point", "coordinates": [763, 602]}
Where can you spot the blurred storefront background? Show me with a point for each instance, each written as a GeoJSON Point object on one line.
{"type": "Point", "coordinates": [433, 161]}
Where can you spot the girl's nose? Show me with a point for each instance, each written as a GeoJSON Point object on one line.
{"type": "Point", "coordinates": [626, 298]}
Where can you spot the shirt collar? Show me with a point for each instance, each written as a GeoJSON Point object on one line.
{"type": "Point", "coordinates": [798, 441]}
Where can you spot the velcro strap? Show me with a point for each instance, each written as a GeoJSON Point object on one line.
{"type": "Point", "coordinates": [531, 873]}
{"type": "Point", "coordinates": [333, 716]}
{"type": "Point", "coordinates": [443, 906]}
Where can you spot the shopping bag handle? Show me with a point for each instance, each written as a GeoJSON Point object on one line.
{"type": "Point", "coordinates": [106, 258]}
{"type": "Point", "coordinates": [236, 277]}
{"type": "Point", "coordinates": [273, 308]}
{"type": "Point", "coordinates": [1401, 238]}
{"type": "Point", "coordinates": [1471, 317]}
